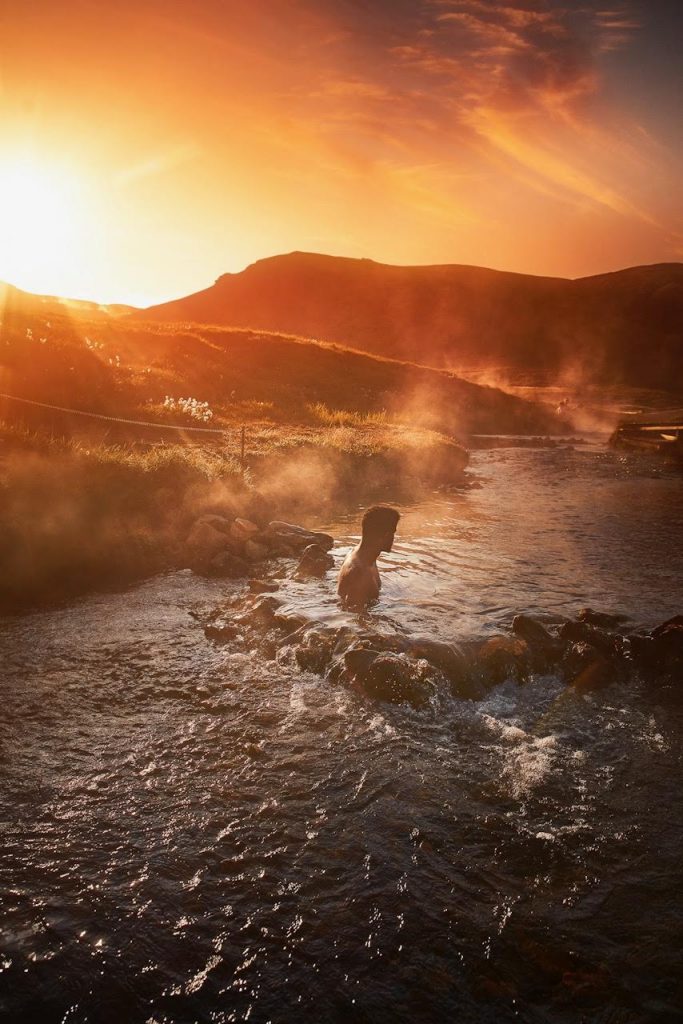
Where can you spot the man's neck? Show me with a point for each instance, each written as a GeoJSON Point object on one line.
{"type": "Point", "coordinates": [367, 552]}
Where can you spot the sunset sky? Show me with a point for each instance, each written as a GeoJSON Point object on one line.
{"type": "Point", "coordinates": [148, 146]}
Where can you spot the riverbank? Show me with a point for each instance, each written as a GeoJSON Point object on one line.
{"type": "Point", "coordinates": [78, 517]}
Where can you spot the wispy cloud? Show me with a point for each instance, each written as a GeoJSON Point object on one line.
{"type": "Point", "coordinates": [158, 163]}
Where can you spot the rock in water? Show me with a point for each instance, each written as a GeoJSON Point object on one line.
{"type": "Point", "coordinates": [216, 522]}
{"type": "Point", "coordinates": [602, 619]}
{"type": "Point", "coordinates": [295, 538]}
{"type": "Point", "coordinates": [228, 565]}
{"type": "Point", "coordinates": [254, 551]}
{"type": "Point", "coordinates": [537, 637]}
{"type": "Point", "coordinates": [503, 657]}
{"type": "Point", "coordinates": [594, 636]}
{"type": "Point", "coordinates": [392, 677]}
{"type": "Point", "coordinates": [204, 541]}
{"type": "Point", "coordinates": [586, 668]}
{"type": "Point", "coordinates": [315, 561]}
{"type": "Point", "coordinates": [262, 587]}
{"type": "Point", "coordinates": [243, 529]}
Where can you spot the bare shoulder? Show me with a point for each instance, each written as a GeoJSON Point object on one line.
{"type": "Point", "coordinates": [357, 583]}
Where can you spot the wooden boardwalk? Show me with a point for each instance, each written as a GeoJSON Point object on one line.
{"type": "Point", "coordinates": [660, 432]}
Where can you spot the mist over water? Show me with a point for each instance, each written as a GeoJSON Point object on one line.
{"type": "Point", "coordinates": [193, 834]}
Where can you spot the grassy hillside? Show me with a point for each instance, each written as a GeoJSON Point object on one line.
{"type": "Point", "coordinates": [127, 369]}
{"type": "Point", "coordinates": [87, 502]}
{"type": "Point", "coordinates": [625, 327]}
{"type": "Point", "coordinates": [15, 300]}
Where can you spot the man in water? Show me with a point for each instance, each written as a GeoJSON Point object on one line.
{"type": "Point", "coordinates": [359, 582]}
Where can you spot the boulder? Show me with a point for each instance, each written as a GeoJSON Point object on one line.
{"type": "Point", "coordinates": [314, 652]}
{"type": "Point", "coordinates": [216, 522]}
{"type": "Point", "coordinates": [660, 653]}
{"type": "Point", "coordinates": [228, 565]}
{"type": "Point", "coordinates": [289, 621]}
{"type": "Point", "coordinates": [254, 551]}
{"type": "Point", "coordinates": [602, 619]}
{"type": "Point", "coordinates": [394, 678]}
{"type": "Point", "coordinates": [204, 541]}
{"type": "Point", "coordinates": [221, 632]}
{"type": "Point", "coordinates": [243, 529]}
{"type": "Point", "coordinates": [677, 621]}
{"type": "Point", "coordinates": [503, 657]}
{"type": "Point", "coordinates": [262, 587]}
{"type": "Point", "coordinates": [584, 633]}
{"type": "Point", "coordinates": [258, 613]}
{"type": "Point", "coordinates": [295, 538]}
{"type": "Point", "coordinates": [448, 658]}
{"type": "Point", "coordinates": [586, 668]}
{"type": "Point", "coordinates": [544, 647]}
{"type": "Point", "coordinates": [315, 561]}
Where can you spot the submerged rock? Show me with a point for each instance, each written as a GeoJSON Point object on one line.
{"type": "Point", "coordinates": [452, 662]}
{"type": "Point", "coordinates": [260, 611]}
{"type": "Point", "coordinates": [394, 678]}
{"type": "Point", "coordinates": [659, 655]}
{"type": "Point", "coordinates": [384, 675]}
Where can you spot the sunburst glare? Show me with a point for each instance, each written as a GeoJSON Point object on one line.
{"type": "Point", "coordinates": [44, 222]}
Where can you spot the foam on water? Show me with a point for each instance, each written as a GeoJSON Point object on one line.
{"type": "Point", "coordinates": [193, 833]}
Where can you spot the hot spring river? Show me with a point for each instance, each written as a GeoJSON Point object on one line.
{"type": "Point", "coordinates": [189, 834]}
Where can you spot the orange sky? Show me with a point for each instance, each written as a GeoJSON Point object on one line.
{"type": "Point", "coordinates": [195, 138]}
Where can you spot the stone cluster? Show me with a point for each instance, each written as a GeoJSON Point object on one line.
{"type": "Point", "coordinates": [588, 652]}
{"type": "Point", "coordinates": [220, 545]}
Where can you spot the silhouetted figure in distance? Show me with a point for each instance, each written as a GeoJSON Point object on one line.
{"type": "Point", "coordinates": [359, 582]}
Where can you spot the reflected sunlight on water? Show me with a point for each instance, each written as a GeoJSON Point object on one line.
{"type": "Point", "coordinates": [193, 835]}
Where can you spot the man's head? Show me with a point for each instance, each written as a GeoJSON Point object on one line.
{"type": "Point", "coordinates": [379, 526]}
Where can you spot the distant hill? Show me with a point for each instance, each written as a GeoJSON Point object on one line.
{"type": "Point", "coordinates": [15, 298]}
{"type": "Point", "coordinates": [625, 327]}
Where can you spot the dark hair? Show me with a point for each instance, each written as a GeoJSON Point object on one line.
{"type": "Point", "coordinates": [379, 519]}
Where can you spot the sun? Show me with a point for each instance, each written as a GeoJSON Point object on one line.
{"type": "Point", "coordinates": [42, 223]}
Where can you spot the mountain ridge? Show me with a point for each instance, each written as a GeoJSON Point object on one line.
{"type": "Point", "coordinates": [625, 325]}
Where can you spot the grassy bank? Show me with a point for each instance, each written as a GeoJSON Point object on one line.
{"type": "Point", "coordinates": [77, 516]}
{"type": "Point", "coordinates": [89, 502]}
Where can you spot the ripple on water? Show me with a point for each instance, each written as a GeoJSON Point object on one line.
{"type": "Point", "coordinates": [197, 835]}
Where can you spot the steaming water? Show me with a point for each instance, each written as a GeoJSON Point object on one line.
{"type": "Point", "coordinates": [190, 835]}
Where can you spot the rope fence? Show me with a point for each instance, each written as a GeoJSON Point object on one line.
{"type": "Point", "coordinates": [115, 419]}
{"type": "Point", "coordinates": [144, 424]}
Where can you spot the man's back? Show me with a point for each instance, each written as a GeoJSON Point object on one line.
{"type": "Point", "coordinates": [358, 582]}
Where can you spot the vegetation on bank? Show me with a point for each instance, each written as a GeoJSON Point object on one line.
{"type": "Point", "coordinates": [299, 425]}
{"type": "Point", "coordinates": [82, 515]}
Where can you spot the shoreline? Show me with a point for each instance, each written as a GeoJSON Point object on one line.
{"type": "Point", "coordinates": [79, 521]}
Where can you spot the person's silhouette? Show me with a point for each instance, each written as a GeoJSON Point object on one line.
{"type": "Point", "coordinates": [359, 582]}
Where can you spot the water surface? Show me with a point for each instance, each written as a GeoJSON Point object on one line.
{"type": "Point", "coordinates": [191, 834]}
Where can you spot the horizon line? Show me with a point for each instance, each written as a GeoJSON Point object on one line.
{"type": "Point", "coordinates": [98, 301]}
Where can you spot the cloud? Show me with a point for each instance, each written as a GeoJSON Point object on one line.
{"type": "Point", "coordinates": [158, 163]}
